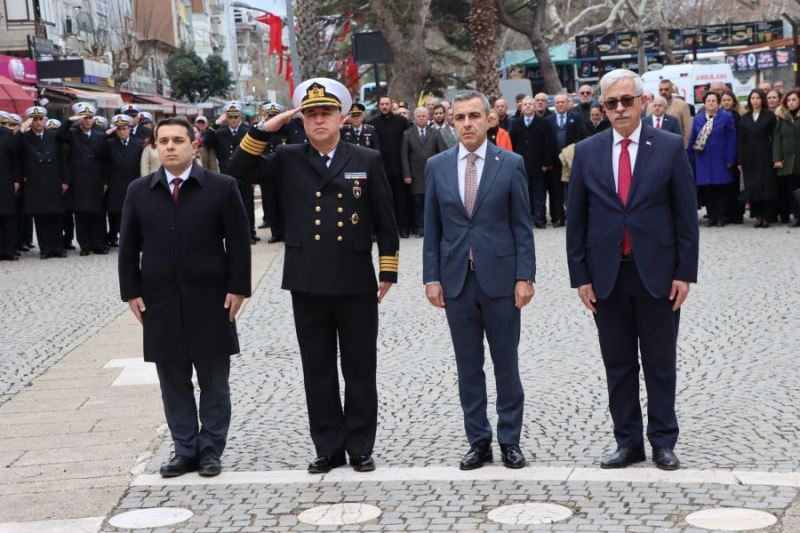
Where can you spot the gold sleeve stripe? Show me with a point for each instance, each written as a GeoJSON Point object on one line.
{"type": "Point", "coordinates": [387, 264]}
{"type": "Point", "coordinates": [250, 140]}
{"type": "Point", "coordinates": [387, 269]}
{"type": "Point", "coordinates": [252, 146]}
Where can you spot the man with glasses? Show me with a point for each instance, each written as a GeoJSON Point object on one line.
{"type": "Point", "coordinates": [585, 101]}
{"type": "Point", "coordinates": [632, 251]}
{"type": "Point", "coordinates": [675, 107]}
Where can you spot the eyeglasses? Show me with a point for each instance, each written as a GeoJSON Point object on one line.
{"type": "Point", "coordinates": [627, 101]}
{"type": "Point", "coordinates": [586, 92]}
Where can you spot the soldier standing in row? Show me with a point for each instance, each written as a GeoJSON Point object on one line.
{"type": "Point", "coordinates": [87, 175]}
{"type": "Point", "coordinates": [123, 152]}
{"type": "Point", "coordinates": [45, 186]}
{"type": "Point", "coordinates": [270, 189]}
{"type": "Point", "coordinates": [10, 184]}
{"type": "Point", "coordinates": [335, 193]}
{"type": "Point", "coordinates": [359, 133]}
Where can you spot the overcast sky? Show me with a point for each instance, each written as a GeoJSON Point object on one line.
{"type": "Point", "coordinates": [275, 6]}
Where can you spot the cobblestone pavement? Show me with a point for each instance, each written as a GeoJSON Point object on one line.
{"type": "Point", "coordinates": [48, 308]}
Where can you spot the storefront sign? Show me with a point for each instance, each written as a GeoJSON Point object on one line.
{"type": "Point", "coordinates": [18, 69]}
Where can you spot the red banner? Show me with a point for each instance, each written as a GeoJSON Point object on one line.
{"type": "Point", "coordinates": [275, 31]}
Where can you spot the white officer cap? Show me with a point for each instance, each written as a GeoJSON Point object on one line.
{"type": "Point", "coordinates": [201, 118]}
{"type": "Point", "coordinates": [101, 121]}
{"type": "Point", "coordinates": [322, 92]}
{"type": "Point", "coordinates": [52, 123]}
{"type": "Point", "coordinates": [130, 109]}
{"type": "Point", "coordinates": [84, 109]}
{"type": "Point", "coordinates": [233, 108]}
{"type": "Point", "coordinates": [145, 116]}
{"type": "Point", "coordinates": [14, 119]}
{"type": "Point", "coordinates": [36, 111]}
{"type": "Point", "coordinates": [122, 120]}
{"type": "Point", "coordinates": [272, 108]}
{"type": "Point", "coordinates": [3, 117]}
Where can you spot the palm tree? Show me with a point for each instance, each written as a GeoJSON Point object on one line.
{"type": "Point", "coordinates": [485, 28]}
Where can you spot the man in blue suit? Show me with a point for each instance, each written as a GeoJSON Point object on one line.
{"type": "Point", "coordinates": [632, 247]}
{"type": "Point", "coordinates": [479, 265]}
{"type": "Point", "coordinates": [659, 118]}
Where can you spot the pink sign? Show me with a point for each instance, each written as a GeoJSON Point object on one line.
{"type": "Point", "coordinates": [18, 69]}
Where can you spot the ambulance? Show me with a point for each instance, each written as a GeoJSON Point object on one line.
{"type": "Point", "coordinates": [692, 81]}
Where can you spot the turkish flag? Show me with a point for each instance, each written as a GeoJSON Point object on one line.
{"type": "Point", "coordinates": [275, 24]}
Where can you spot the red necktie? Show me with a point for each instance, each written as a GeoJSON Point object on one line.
{"type": "Point", "coordinates": [624, 187]}
{"type": "Point", "coordinates": [658, 122]}
{"type": "Point", "coordinates": [176, 189]}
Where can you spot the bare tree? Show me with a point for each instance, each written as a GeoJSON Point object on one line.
{"type": "Point", "coordinates": [130, 48]}
{"type": "Point", "coordinates": [403, 27]}
{"type": "Point", "coordinates": [485, 28]}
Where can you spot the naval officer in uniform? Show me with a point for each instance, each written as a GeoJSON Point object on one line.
{"type": "Point", "coordinates": [335, 193]}
{"type": "Point", "coordinates": [356, 132]}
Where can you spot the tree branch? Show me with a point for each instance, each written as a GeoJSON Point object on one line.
{"type": "Point", "coordinates": [506, 20]}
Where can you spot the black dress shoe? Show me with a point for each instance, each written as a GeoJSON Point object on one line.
{"type": "Point", "coordinates": [59, 255]}
{"type": "Point", "coordinates": [178, 466]}
{"type": "Point", "coordinates": [253, 241]}
{"type": "Point", "coordinates": [257, 238]}
{"type": "Point", "coordinates": [324, 464]}
{"type": "Point", "coordinates": [273, 240]}
{"type": "Point", "coordinates": [479, 453]}
{"type": "Point", "coordinates": [44, 256]}
{"type": "Point", "coordinates": [69, 247]}
{"type": "Point", "coordinates": [209, 464]}
{"type": "Point", "coordinates": [263, 225]}
{"type": "Point", "coordinates": [665, 459]}
{"type": "Point", "coordinates": [362, 463]}
{"type": "Point", "coordinates": [623, 457]}
{"type": "Point", "coordinates": [540, 225]}
{"type": "Point", "coordinates": [113, 244]}
{"type": "Point", "coordinates": [84, 253]}
{"type": "Point", "coordinates": [512, 456]}
{"type": "Point", "coordinates": [101, 251]}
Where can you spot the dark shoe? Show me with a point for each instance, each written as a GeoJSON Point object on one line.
{"type": "Point", "coordinates": [665, 459]}
{"type": "Point", "coordinates": [765, 224]}
{"type": "Point", "coordinates": [558, 223]}
{"type": "Point", "coordinates": [711, 223]}
{"type": "Point", "coordinates": [403, 234]}
{"type": "Point", "coordinates": [273, 240]}
{"type": "Point", "coordinates": [59, 255]}
{"type": "Point", "coordinates": [479, 453]}
{"type": "Point", "coordinates": [44, 256]}
{"type": "Point", "coordinates": [69, 246]}
{"type": "Point", "coordinates": [256, 238]}
{"type": "Point", "coordinates": [209, 464]}
{"type": "Point", "coordinates": [84, 253]}
{"type": "Point", "coordinates": [253, 241]}
{"type": "Point", "coordinates": [512, 456]}
{"type": "Point", "coordinates": [178, 466]}
{"type": "Point", "coordinates": [721, 223]}
{"type": "Point", "coordinates": [324, 464]}
{"type": "Point", "coordinates": [419, 233]}
{"type": "Point", "coordinates": [22, 248]}
{"type": "Point", "coordinates": [795, 224]}
{"type": "Point", "coordinates": [113, 244]}
{"type": "Point", "coordinates": [362, 463]}
{"type": "Point", "coordinates": [540, 225]}
{"type": "Point", "coordinates": [623, 457]}
{"type": "Point", "coordinates": [101, 251]}
{"type": "Point", "coordinates": [263, 225]}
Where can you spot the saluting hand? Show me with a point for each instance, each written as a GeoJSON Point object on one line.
{"type": "Point", "coordinates": [586, 294]}
{"type": "Point", "coordinates": [383, 288]}
{"type": "Point", "coordinates": [137, 308]}
{"type": "Point", "coordinates": [278, 121]}
{"type": "Point", "coordinates": [233, 302]}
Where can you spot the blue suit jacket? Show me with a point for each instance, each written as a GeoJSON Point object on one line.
{"type": "Point", "coordinates": [661, 215]}
{"type": "Point", "coordinates": [499, 231]}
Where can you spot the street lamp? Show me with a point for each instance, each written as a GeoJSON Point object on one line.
{"type": "Point", "coordinates": [292, 36]}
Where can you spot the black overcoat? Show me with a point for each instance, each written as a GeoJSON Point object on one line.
{"type": "Point", "coordinates": [9, 171]}
{"type": "Point", "coordinates": [124, 163]}
{"type": "Point", "coordinates": [43, 173]}
{"type": "Point", "coordinates": [87, 171]}
{"type": "Point", "coordinates": [224, 143]}
{"type": "Point", "coordinates": [755, 156]}
{"type": "Point", "coordinates": [192, 254]}
{"type": "Point", "coordinates": [535, 143]}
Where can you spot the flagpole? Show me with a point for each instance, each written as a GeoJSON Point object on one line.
{"type": "Point", "coordinates": [293, 43]}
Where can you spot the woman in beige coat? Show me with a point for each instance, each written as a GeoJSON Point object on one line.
{"type": "Point", "coordinates": [149, 162]}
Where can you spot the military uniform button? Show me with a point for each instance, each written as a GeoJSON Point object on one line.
{"type": "Point", "coordinates": [317, 222]}
{"type": "Point", "coordinates": [318, 194]}
{"type": "Point", "coordinates": [340, 209]}
{"type": "Point", "coordinates": [340, 238]}
{"type": "Point", "coordinates": [318, 209]}
{"type": "Point", "coordinates": [317, 237]}
{"type": "Point", "coordinates": [340, 196]}
{"type": "Point", "coordinates": [340, 224]}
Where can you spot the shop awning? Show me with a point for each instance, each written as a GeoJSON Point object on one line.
{"type": "Point", "coordinates": [102, 100]}
{"type": "Point", "coordinates": [172, 107]}
{"type": "Point", "coordinates": [14, 97]}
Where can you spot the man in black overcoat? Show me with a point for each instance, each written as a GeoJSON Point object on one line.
{"type": "Point", "coordinates": [123, 152]}
{"type": "Point", "coordinates": [184, 269]}
{"type": "Point", "coordinates": [44, 182]}
{"type": "Point", "coordinates": [10, 185]}
{"type": "Point", "coordinates": [336, 193]}
{"type": "Point", "coordinates": [87, 176]}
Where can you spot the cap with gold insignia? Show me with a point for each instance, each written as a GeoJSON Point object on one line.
{"type": "Point", "coordinates": [36, 111]}
{"type": "Point", "coordinates": [145, 117]}
{"type": "Point", "coordinates": [101, 121]}
{"type": "Point", "coordinates": [132, 110]}
{"type": "Point", "coordinates": [84, 109]}
{"type": "Point", "coordinates": [322, 92]}
{"type": "Point", "coordinates": [233, 108]}
{"type": "Point", "coordinates": [357, 109]}
{"type": "Point", "coordinates": [52, 123]}
{"type": "Point", "coordinates": [3, 117]}
{"type": "Point", "coordinates": [14, 119]}
{"type": "Point", "coordinates": [121, 120]}
{"type": "Point", "coordinates": [272, 108]}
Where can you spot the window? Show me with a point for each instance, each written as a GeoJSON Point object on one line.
{"type": "Point", "coordinates": [19, 10]}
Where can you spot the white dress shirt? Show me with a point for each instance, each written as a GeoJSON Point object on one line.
{"type": "Point", "coordinates": [616, 149]}
{"type": "Point", "coordinates": [655, 120]}
{"type": "Point", "coordinates": [462, 165]}
{"type": "Point", "coordinates": [184, 176]}
{"type": "Point", "coordinates": [330, 156]}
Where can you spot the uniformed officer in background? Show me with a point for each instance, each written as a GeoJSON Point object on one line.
{"type": "Point", "coordinates": [44, 186]}
{"type": "Point", "coordinates": [10, 186]}
{"type": "Point", "coordinates": [274, 215]}
{"type": "Point", "coordinates": [224, 136]}
{"type": "Point", "coordinates": [334, 193]}
{"type": "Point", "coordinates": [356, 132]}
{"type": "Point", "coordinates": [123, 152]}
{"type": "Point", "coordinates": [24, 223]}
{"type": "Point", "coordinates": [138, 130]}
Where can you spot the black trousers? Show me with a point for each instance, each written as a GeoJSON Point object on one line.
{"type": "Point", "coordinates": [419, 212]}
{"type": "Point", "coordinates": [8, 235]}
{"type": "Point", "coordinates": [716, 199]}
{"type": "Point", "coordinates": [273, 207]}
{"type": "Point", "coordinates": [24, 223]}
{"type": "Point", "coordinates": [763, 209]}
{"type": "Point", "coordinates": [321, 321]}
{"type": "Point", "coordinates": [403, 204]}
{"type": "Point", "coordinates": [248, 198]}
{"type": "Point", "coordinates": [48, 233]}
{"type": "Point", "coordinates": [114, 221]}
{"type": "Point", "coordinates": [68, 223]}
{"type": "Point", "coordinates": [181, 410]}
{"type": "Point", "coordinates": [629, 320]}
{"type": "Point", "coordinates": [537, 194]}
{"type": "Point", "coordinates": [555, 189]}
{"type": "Point", "coordinates": [91, 231]}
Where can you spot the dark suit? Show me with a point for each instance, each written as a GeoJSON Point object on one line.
{"type": "Point", "coordinates": [87, 175]}
{"type": "Point", "coordinates": [124, 164]}
{"type": "Point", "coordinates": [331, 211]}
{"type": "Point", "coordinates": [390, 130]}
{"type": "Point", "coordinates": [481, 301]}
{"type": "Point", "coordinates": [141, 132]}
{"type": "Point", "coordinates": [668, 123]}
{"type": "Point", "coordinates": [192, 254]}
{"type": "Point", "coordinates": [224, 142]}
{"type": "Point", "coordinates": [366, 136]}
{"type": "Point", "coordinates": [44, 199]}
{"type": "Point", "coordinates": [536, 144]}
{"type": "Point", "coordinates": [572, 130]}
{"type": "Point", "coordinates": [414, 153]}
{"type": "Point", "coordinates": [9, 175]}
{"type": "Point", "coordinates": [633, 306]}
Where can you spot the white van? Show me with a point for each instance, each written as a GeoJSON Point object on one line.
{"type": "Point", "coordinates": [692, 80]}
